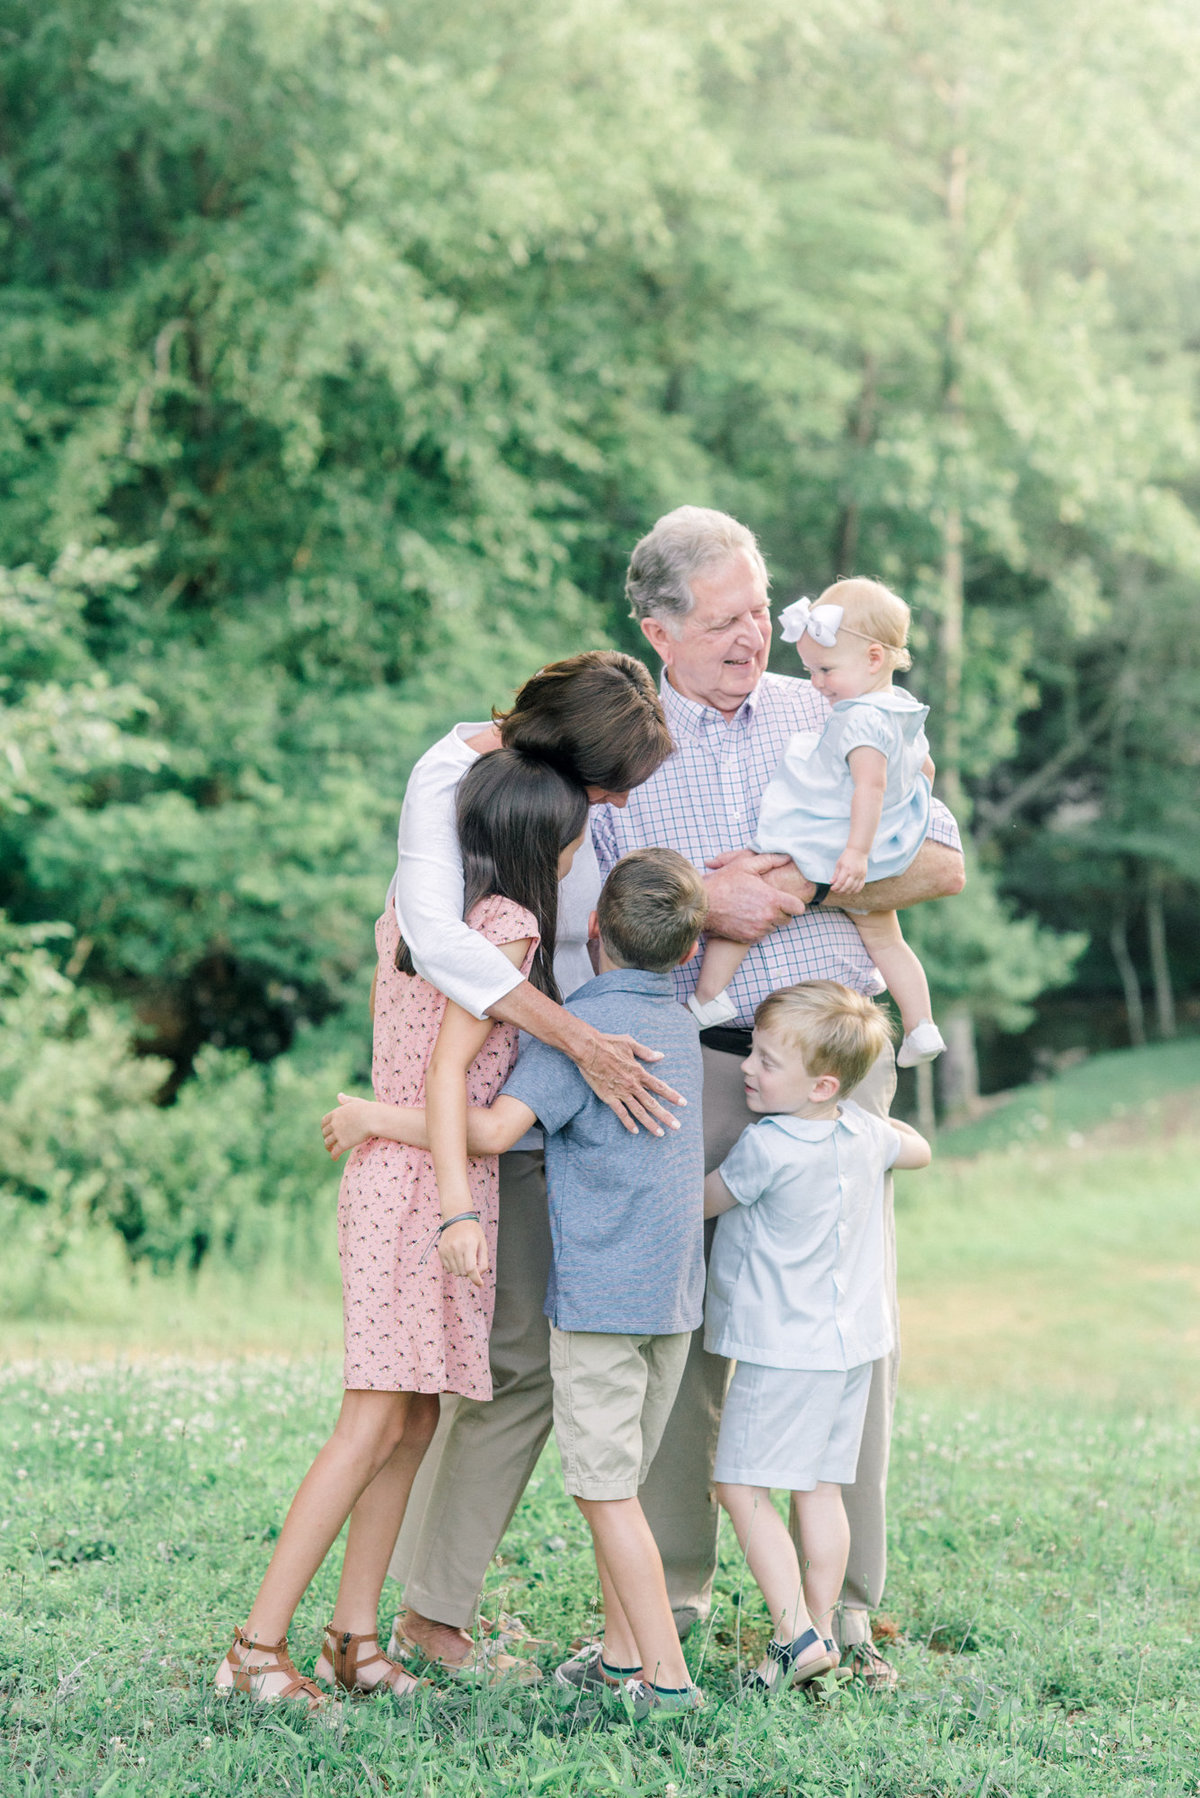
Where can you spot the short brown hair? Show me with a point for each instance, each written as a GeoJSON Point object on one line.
{"type": "Point", "coordinates": [596, 717]}
{"type": "Point", "coordinates": [873, 611]}
{"type": "Point", "coordinates": [837, 1031]}
{"type": "Point", "coordinates": [651, 909]}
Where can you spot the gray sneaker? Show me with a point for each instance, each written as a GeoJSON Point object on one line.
{"type": "Point", "coordinates": [654, 1701]}
{"type": "Point", "coordinates": [584, 1673]}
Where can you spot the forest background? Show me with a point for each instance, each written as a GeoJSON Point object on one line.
{"type": "Point", "coordinates": [345, 351]}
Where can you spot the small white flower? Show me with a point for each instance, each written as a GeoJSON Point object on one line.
{"type": "Point", "coordinates": [22, 1473]}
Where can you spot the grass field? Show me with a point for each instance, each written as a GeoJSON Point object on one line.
{"type": "Point", "coordinates": [1045, 1576]}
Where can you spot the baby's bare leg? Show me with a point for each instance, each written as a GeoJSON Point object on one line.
{"type": "Point", "coordinates": [899, 965]}
{"type": "Point", "coordinates": [722, 959]}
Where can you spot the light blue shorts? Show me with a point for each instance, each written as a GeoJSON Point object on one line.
{"type": "Point", "coordinates": [791, 1429]}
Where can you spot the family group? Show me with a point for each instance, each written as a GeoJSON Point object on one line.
{"type": "Point", "coordinates": [678, 906]}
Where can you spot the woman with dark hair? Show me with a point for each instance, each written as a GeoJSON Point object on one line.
{"type": "Point", "coordinates": [416, 1323]}
{"type": "Point", "coordinates": [598, 719]}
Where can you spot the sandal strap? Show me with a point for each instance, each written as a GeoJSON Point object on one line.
{"type": "Point", "coordinates": [244, 1677]}
{"type": "Point", "coordinates": [788, 1653]}
{"type": "Point", "coordinates": [344, 1649]}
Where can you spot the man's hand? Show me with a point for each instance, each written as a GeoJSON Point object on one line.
{"type": "Point", "coordinates": [346, 1127]}
{"type": "Point", "coordinates": [613, 1069]}
{"type": "Point", "coordinates": [744, 904]}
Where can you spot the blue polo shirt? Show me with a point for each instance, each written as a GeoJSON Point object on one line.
{"type": "Point", "coordinates": [626, 1212]}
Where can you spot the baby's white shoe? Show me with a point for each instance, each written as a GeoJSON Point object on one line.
{"type": "Point", "coordinates": [708, 1012]}
{"type": "Point", "coordinates": [922, 1044]}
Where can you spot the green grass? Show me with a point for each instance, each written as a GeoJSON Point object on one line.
{"type": "Point", "coordinates": [1044, 1496]}
{"type": "Point", "coordinates": [1044, 1569]}
{"type": "Point", "coordinates": [1097, 1091]}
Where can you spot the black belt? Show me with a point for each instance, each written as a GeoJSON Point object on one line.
{"type": "Point", "coordinates": [730, 1039]}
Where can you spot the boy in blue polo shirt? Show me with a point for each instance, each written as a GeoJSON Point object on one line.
{"type": "Point", "coordinates": [626, 1286]}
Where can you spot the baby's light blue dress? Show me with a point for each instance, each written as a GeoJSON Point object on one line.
{"type": "Point", "coordinates": [805, 810]}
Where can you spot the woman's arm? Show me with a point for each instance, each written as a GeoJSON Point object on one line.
{"type": "Point", "coordinates": [611, 1065]}
{"type": "Point", "coordinates": [428, 897]}
{"type": "Point", "coordinates": [491, 1129]}
{"type": "Point", "coordinates": [868, 770]}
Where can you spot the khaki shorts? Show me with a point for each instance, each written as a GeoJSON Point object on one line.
{"type": "Point", "coordinates": [612, 1397]}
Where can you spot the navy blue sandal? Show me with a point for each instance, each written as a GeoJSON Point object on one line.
{"type": "Point", "coordinates": [786, 1654]}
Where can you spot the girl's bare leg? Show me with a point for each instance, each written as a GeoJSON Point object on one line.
{"type": "Point", "coordinates": [899, 965]}
{"type": "Point", "coordinates": [370, 1429]}
{"type": "Point", "coordinates": [376, 1518]}
{"type": "Point", "coordinates": [640, 1627]}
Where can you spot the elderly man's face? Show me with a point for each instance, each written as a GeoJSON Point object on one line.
{"type": "Point", "coordinates": [720, 653]}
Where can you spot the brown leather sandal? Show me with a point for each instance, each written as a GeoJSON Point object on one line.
{"type": "Point", "coordinates": [343, 1663]}
{"type": "Point", "coordinates": [235, 1676]}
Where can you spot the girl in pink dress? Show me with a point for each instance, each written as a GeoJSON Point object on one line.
{"type": "Point", "coordinates": [416, 1234]}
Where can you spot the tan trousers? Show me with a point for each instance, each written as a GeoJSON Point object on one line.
{"type": "Point", "coordinates": [475, 1471]}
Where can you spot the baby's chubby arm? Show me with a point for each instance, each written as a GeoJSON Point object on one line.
{"type": "Point", "coordinates": [490, 1130]}
{"type": "Point", "coordinates": [914, 1150]}
{"type": "Point", "coordinates": [717, 1196]}
{"type": "Point", "coordinates": [868, 770]}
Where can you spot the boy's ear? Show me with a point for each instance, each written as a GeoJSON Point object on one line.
{"type": "Point", "coordinates": [825, 1087]}
{"type": "Point", "coordinates": [689, 954]}
{"type": "Point", "coordinates": [593, 934]}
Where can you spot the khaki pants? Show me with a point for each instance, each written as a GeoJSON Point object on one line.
{"type": "Point", "coordinates": [475, 1471]}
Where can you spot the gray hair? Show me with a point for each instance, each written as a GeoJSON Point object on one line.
{"type": "Point", "coordinates": [682, 545]}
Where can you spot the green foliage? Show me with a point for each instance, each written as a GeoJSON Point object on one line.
{"type": "Point", "coordinates": [345, 351]}
{"type": "Point", "coordinates": [85, 1144]}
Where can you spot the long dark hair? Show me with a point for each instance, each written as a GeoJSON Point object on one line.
{"type": "Point", "coordinates": [516, 815]}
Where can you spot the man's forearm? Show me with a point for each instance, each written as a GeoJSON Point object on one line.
{"type": "Point", "coordinates": [935, 872]}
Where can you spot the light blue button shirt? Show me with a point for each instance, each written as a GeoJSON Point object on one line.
{"type": "Point", "coordinates": [797, 1272]}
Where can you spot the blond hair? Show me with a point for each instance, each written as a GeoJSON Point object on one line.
{"type": "Point", "coordinates": [651, 909]}
{"type": "Point", "coordinates": [837, 1031]}
{"type": "Point", "coordinates": [871, 610]}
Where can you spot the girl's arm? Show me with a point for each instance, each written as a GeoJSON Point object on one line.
{"type": "Point", "coordinates": [914, 1150]}
{"type": "Point", "coordinates": [463, 1247]}
{"type": "Point", "coordinates": [491, 1129]}
{"type": "Point", "coordinates": [868, 770]}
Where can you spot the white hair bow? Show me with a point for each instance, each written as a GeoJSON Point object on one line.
{"type": "Point", "coordinates": [821, 622]}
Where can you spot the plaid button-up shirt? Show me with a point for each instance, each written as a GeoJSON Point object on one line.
{"type": "Point", "coordinates": [704, 799]}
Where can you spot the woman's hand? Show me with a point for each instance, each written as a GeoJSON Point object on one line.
{"type": "Point", "coordinates": [463, 1250]}
{"type": "Point", "coordinates": [613, 1069]}
{"type": "Point", "coordinates": [349, 1125]}
{"type": "Point", "coordinates": [850, 875]}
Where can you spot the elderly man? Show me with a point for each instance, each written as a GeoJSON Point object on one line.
{"type": "Point", "coordinates": [698, 586]}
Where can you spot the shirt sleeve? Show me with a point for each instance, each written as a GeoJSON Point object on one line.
{"type": "Point", "coordinates": [748, 1169]}
{"type": "Point", "coordinates": [428, 895]}
{"type": "Point", "coordinates": [865, 727]}
{"type": "Point", "coordinates": [942, 828]}
{"type": "Point", "coordinates": [549, 1083]}
{"type": "Point", "coordinates": [604, 840]}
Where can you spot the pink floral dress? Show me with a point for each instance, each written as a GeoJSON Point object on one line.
{"type": "Point", "coordinates": [409, 1325]}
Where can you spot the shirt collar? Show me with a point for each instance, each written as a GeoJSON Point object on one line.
{"type": "Point", "coordinates": [632, 980]}
{"type": "Point", "coordinates": [817, 1129]}
{"type": "Point", "coordinates": [688, 718]}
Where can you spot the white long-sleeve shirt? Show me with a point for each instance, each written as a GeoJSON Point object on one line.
{"type": "Point", "coordinates": [427, 890]}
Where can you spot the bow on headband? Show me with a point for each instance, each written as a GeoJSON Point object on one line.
{"type": "Point", "coordinates": [822, 623]}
